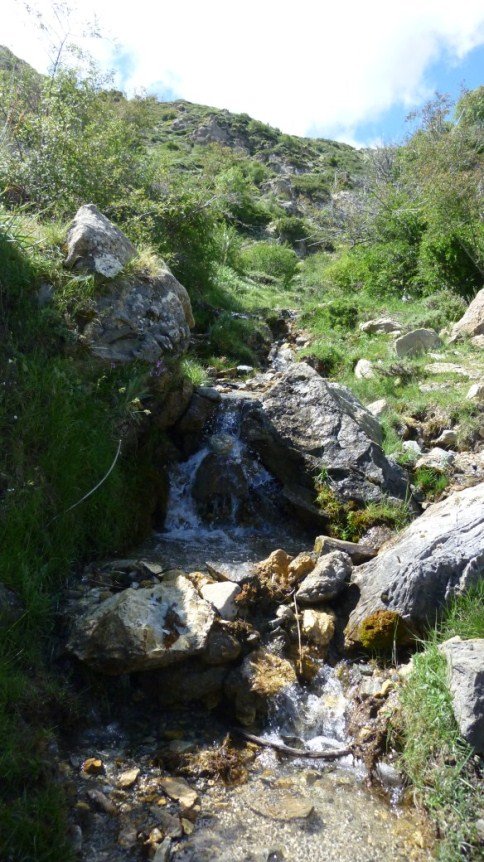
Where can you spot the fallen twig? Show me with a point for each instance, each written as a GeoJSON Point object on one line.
{"type": "Point", "coordinates": [330, 754]}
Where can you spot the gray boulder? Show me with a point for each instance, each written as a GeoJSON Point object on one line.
{"type": "Point", "coordinates": [439, 556]}
{"type": "Point", "coordinates": [143, 629]}
{"type": "Point", "coordinates": [465, 660]}
{"type": "Point", "coordinates": [303, 426]}
{"type": "Point", "coordinates": [329, 577]}
{"type": "Point", "coordinates": [94, 244]}
{"type": "Point", "coordinates": [416, 342]}
{"type": "Point", "coordinates": [142, 318]}
{"type": "Point", "coordinates": [380, 325]}
{"type": "Point", "coordinates": [472, 322]}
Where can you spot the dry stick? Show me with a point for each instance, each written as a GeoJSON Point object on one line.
{"type": "Point", "coordinates": [298, 634]}
{"type": "Point", "coordinates": [74, 505]}
{"type": "Point", "coordinates": [294, 752]}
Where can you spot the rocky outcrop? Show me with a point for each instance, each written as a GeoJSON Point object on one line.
{"type": "Point", "coordinates": [94, 244]}
{"type": "Point", "coordinates": [416, 342]}
{"type": "Point", "coordinates": [327, 579]}
{"type": "Point", "coordinates": [472, 322]}
{"type": "Point", "coordinates": [465, 661]}
{"type": "Point", "coordinates": [304, 427]}
{"type": "Point", "coordinates": [142, 629]}
{"type": "Point", "coordinates": [140, 318]}
{"type": "Point", "coordinates": [439, 556]}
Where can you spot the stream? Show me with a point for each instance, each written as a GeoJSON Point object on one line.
{"type": "Point", "coordinates": [273, 807]}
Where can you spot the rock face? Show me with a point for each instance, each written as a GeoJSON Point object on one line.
{"type": "Point", "coordinates": [94, 244]}
{"type": "Point", "coordinates": [440, 555]}
{"type": "Point", "coordinates": [304, 426]}
{"type": "Point", "coordinates": [417, 341]}
{"type": "Point", "coordinates": [465, 660]}
{"type": "Point", "coordinates": [143, 318]}
{"type": "Point", "coordinates": [143, 629]}
{"type": "Point", "coordinates": [472, 323]}
{"type": "Point", "coordinates": [327, 580]}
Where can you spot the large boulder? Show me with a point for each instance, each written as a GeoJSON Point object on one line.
{"type": "Point", "coordinates": [416, 342]}
{"type": "Point", "coordinates": [140, 318]}
{"type": "Point", "coordinates": [439, 556]}
{"type": "Point", "coordinates": [143, 629]}
{"type": "Point", "coordinates": [304, 427]}
{"type": "Point", "coordinates": [94, 244]}
{"type": "Point", "coordinates": [472, 322]}
{"type": "Point", "coordinates": [465, 660]}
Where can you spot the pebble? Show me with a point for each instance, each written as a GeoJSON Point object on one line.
{"type": "Point", "coordinates": [93, 766]}
{"type": "Point", "coordinates": [128, 778]}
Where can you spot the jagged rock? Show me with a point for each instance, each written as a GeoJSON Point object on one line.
{"type": "Point", "coordinates": [327, 580]}
{"type": "Point", "coordinates": [364, 369]}
{"type": "Point", "coordinates": [301, 566]}
{"type": "Point", "coordinates": [222, 597]}
{"type": "Point", "coordinates": [416, 342]}
{"type": "Point", "coordinates": [381, 324]}
{"type": "Point", "coordinates": [465, 659]}
{"type": "Point", "coordinates": [317, 626]}
{"type": "Point", "coordinates": [303, 426]}
{"type": "Point", "coordinates": [362, 415]}
{"type": "Point", "coordinates": [437, 459]}
{"type": "Point", "coordinates": [260, 677]}
{"type": "Point", "coordinates": [357, 552]}
{"type": "Point", "coordinates": [201, 409]}
{"type": "Point", "coordinates": [94, 244]}
{"type": "Point", "coordinates": [144, 628]}
{"type": "Point", "coordinates": [440, 555]}
{"type": "Point", "coordinates": [140, 318]}
{"type": "Point", "coordinates": [472, 322]}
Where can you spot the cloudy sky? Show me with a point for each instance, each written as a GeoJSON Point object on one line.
{"type": "Point", "coordinates": [343, 69]}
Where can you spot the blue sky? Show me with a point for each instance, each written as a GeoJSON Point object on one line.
{"type": "Point", "coordinates": [347, 70]}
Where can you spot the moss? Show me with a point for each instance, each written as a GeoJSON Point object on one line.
{"type": "Point", "coordinates": [381, 631]}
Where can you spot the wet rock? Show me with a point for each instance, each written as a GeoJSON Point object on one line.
{"type": "Point", "coordinates": [128, 778]}
{"type": "Point", "coordinates": [259, 678]}
{"type": "Point", "coordinates": [284, 808]}
{"type": "Point", "coordinates": [416, 342]}
{"type": "Point", "coordinates": [143, 629]}
{"type": "Point", "coordinates": [440, 555]}
{"type": "Point", "coordinates": [93, 766]}
{"type": "Point", "coordinates": [465, 660]}
{"type": "Point", "coordinates": [362, 415]}
{"type": "Point", "coordinates": [220, 484]}
{"type": "Point", "coordinates": [380, 325]}
{"type": "Point", "coordinates": [179, 790]}
{"type": "Point", "coordinates": [163, 851]}
{"type": "Point", "coordinates": [201, 410]}
{"type": "Point", "coordinates": [472, 322]}
{"type": "Point", "coordinates": [102, 803]}
{"type": "Point", "coordinates": [330, 576]}
{"type": "Point", "coordinates": [364, 369]}
{"type": "Point", "coordinates": [318, 626]}
{"type": "Point", "coordinates": [94, 244]}
{"type": "Point", "coordinates": [222, 646]}
{"type": "Point", "coordinates": [222, 597]}
{"type": "Point", "coordinates": [303, 426]}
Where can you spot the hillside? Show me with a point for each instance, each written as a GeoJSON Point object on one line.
{"type": "Point", "coordinates": [210, 328]}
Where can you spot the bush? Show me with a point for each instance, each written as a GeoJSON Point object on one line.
{"type": "Point", "coordinates": [267, 258]}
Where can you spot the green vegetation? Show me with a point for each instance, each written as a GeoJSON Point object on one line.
{"type": "Point", "coordinates": [437, 761]}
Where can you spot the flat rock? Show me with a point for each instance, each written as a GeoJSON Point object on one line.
{"type": "Point", "coordinates": [222, 596]}
{"type": "Point", "coordinates": [285, 808]}
{"type": "Point", "coordinates": [438, 556]}
{"type": "Point", "coordinates": [128, 778]}
{"type": "Point", "coordinates": [465, 660]}
{"type": "Point", "coordinates": [380, 325]}
{"type": "Point", "coordinates": [94, 244]}
{"type": "Point", "coordinates": [472, 322]}
{"type": "Point", "coordinates": [416, 342]}
{"type": "Point", "coordinates": [303, 427]}
{"type": "Point", "coordinates": [329, 577]}
{"type": "Point", "coordinates": [448, 368]}
{"type": "Point", "coordinates": [179, 790]}
{"type": "Point", "coordinates": [143, 629]}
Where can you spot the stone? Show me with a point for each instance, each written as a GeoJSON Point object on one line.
{"type": "Point", "coordinates": [447, 438]}
{"type": "Point", "coordinates": [102, 803]}
{"type": "Point", "coordinates": [285, 808]}
{"type": "Point", "coordinates": [163, 851]}
{"type": "Point", "coordinates": [380, 325]}
{"type": "Point", "coordinates": [300, 566]}
{"type": "Point", "coordinates": [437, 459]}
{"type": "Point", "coordinates": [478, 342]}
{"type": "Point", "coordinates": [357, 552]}
{"type": "Point", "coordinates": [222, 597]}
{"type": "Point", "coordinates": [377, 408]}
{"type": "Point", "coordinates": [144, 317]}
{"type": "Point", "coordinates": [201, 410]}
{"type": "Point", "coordinates": [412, 449]}
{"type": "Point", "coordinates": [329, 578]}
{"type": "Point", "coordinates": [317, 626]}
{"type": "Point", "coordinates": [362, 415]}
{"type": "Point", "coordinates": [143, 629]}
{"type": "Point", "coordinates": [438, 556]}
{"type": "Point", "coordinates": [465, 660]}
{"type": "Point", "coordinates": [128, 778]}
{"type": "Point", "coordinates": [472, 322]}
{"type": "Point", "coordinates": [416, 342]}
{"type": "Point", "coordinates": [179, 790]}
{"type": "Point", "coordinates": [275, 566]}
{"type": "Point", "coordinates": [476, 392]}
{"type": "Point", "coordinates": [448, 368]}
{"type": "Point", "coordinates": [303, 427]}
{"type": "Point", "coordinates": [260, 677]}
{"type": "Point", "coordinates": [222, 646]}
{"type": "Point", "coordinates": [364, 369]}
{"type": "Point", "coordinates": [95, 244]}
{"type": "Point", "coordinates": [220, 485]}
{"type": "Point", "coordinates": [93, 766]}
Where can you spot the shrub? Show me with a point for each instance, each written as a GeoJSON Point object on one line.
{"type": "Point", "coordinates": [278, 261]}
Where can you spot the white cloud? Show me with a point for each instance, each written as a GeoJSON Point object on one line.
{"type": "Point", "coordinates": [321, 65]}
